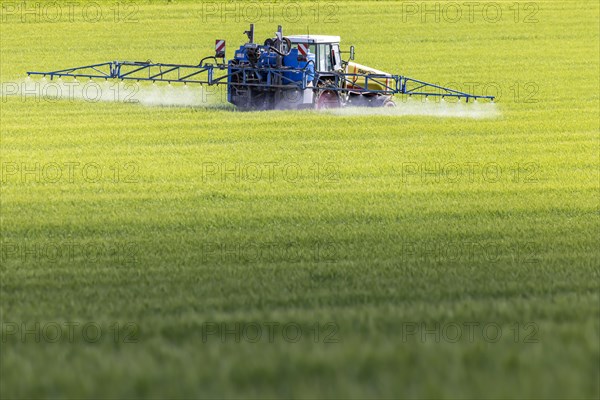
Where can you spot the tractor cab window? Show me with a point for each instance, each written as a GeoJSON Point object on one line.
{"type": "Point", "coordinates": [324, 58]}
{"type": "Point", "coordinates": [336, 56]}
{"type": "Point", "coordinates": [313, 49]}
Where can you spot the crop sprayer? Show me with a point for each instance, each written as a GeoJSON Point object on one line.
{"type": "Point", "coordinates": [285, 72]}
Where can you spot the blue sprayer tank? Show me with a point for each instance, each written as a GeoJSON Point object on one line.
{"type": "Point", "coordinates": [269, 59]}
{"type": "Point", "coordinates": [241, 70]}
{"type": "Point", "coordinates": [291, 60]}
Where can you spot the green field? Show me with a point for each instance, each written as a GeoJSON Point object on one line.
{"type": "Point", "coordinates": [419, 256]}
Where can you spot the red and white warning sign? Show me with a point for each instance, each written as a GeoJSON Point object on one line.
{"type": "Point", "coordinates": [302, 49]}
{"type": "Point", "coordinates": [220, 48]}
{"type": "Point", "coordinates": [302, 52]}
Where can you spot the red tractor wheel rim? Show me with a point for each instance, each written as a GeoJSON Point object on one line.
{"type": "Point", "coordinates": [328, 99]}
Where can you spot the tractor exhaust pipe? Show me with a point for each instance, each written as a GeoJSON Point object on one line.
{"type": "Point", "coordinates": [250, 34]}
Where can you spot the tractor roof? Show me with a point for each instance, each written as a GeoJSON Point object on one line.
{"type": "Point", "coordinates": [314, 39]}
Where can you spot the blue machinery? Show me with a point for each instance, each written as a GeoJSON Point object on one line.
{"type": "Point", "coordinates": [259, 76]}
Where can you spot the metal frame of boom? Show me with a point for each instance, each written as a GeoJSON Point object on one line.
{"type": "Point", "coordinates": [271, 78]}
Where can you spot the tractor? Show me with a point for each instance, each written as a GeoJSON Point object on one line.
{"type": "Point", "coordinates": [284, 72]}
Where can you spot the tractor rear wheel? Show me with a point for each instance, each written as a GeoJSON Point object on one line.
{"type": "Point", "coordinates": [326, 99]}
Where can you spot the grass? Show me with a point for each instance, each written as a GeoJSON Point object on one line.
{"type": "Point", "coordinates": [358, 224]}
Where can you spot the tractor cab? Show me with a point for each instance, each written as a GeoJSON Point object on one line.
{"type": "Point", "coordinates": [325, 48]}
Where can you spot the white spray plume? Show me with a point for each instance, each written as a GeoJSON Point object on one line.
{"type": "Point", "coordinates": [440, 109]}
{"type": "Point", "coordinates": [212, 96]}
{"type": "Point", "coordinates": [113, 91]}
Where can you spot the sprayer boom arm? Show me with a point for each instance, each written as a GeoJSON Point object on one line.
{"type": "Point", "coordinates": [218, 74]}
{"type": "Point", "coordinates": [139, 71]}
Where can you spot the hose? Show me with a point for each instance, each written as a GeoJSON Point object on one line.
{"type": "Point", "coordinates": [207, 58]}
{"type": "Point", "coordinates": [273, 44]}
{"type": "Point", "coordinates": [273, 49]}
